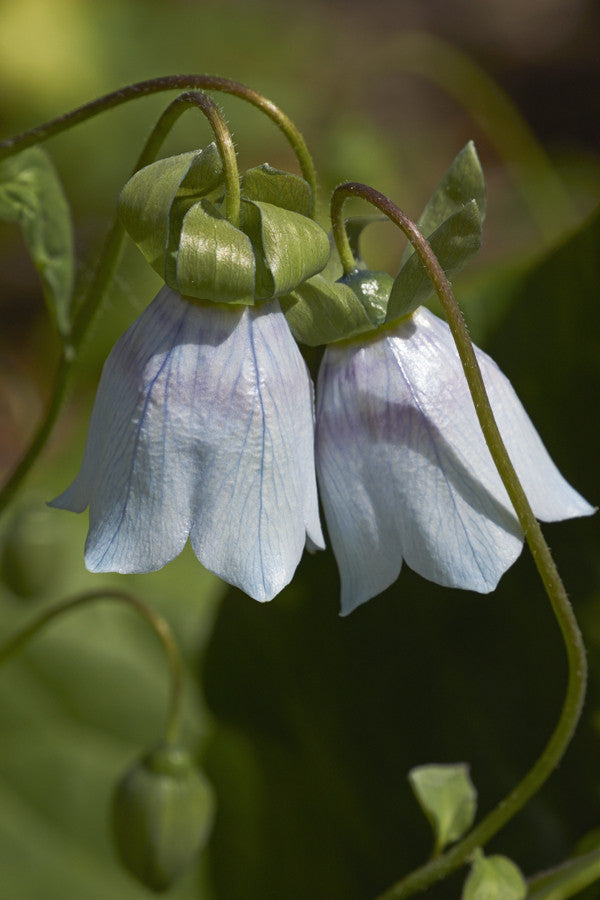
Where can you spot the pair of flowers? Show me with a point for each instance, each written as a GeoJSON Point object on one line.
{"type": "Point", "coordinates": [204, 427]}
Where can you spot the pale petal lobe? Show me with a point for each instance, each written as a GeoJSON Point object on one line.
{"type": "Point", "coordinates": [404, 471]}
{"type": "Point", "coordinates": [202, 427]}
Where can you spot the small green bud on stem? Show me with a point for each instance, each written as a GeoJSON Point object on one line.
{"type": "Point", "coordinates": [162, 814]}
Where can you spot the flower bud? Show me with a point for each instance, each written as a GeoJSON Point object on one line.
{"type": "Point", "coordinates": [162, 813]}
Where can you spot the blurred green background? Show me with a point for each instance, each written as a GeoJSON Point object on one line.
{"type": "Point", "coordinates": [307, 723]}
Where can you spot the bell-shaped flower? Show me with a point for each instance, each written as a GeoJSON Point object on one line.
{"type": "Point", "coordinates": [404, 471]}
{"type": "Point", "coordinates": [202, 428]}
{"type": "Point", "coordinates": [203, 425]}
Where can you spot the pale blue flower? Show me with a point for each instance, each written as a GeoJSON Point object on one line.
{"type": "Point", "coordinates": [202, 428]}
{"type": "Point", "coordinates": [404, 472]}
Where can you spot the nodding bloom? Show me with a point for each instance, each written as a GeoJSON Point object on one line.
{"type": "Point", "coordinates": [202, 428]}
{"type": "Point", "coordinates": [404, 471]}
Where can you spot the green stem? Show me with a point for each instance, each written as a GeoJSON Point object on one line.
{"type": "Point", "coordinates": [158, 624]}
{"type": "Point", "coordinates": [224, 143]}
{"type": "Point", "coordinates": [443, 865]}
{"type": "Point", "coordinates": [170, 83]}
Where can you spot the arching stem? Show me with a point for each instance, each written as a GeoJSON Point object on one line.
{"type": "Point", "coordinates": [171, 83]}
{"type": "Point", "coordinates": [158, 624]}
{"type": "Point", "coordinates": [443, 865]}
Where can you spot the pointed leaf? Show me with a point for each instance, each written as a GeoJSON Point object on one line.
{"type": "Point", "coordinates": [155, 200]}
{"type": "Point", "coordinates": [447, 797]}
{"type": "Point", "coordinates": [462, 183]}
{"type": "Point", "coordinates": [321, 312]}
{"type": "Point", "coordinates": [289, 247]}
{"type": "Point", "coordinates": [215, 260]}
{"type": "Point", "coordinates": [454, 243]}
{"type": "Point", "coordinates": [494, 878]}
{"type": "Point", "coordinates": [32, 195]}
{"type": "Point", "coordinates": [277, 187]}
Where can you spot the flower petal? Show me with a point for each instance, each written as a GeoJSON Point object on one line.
{"type": "Point", "coordinates": [404, 470]}
{"type": "Point", "coordinates": [138, 471]}
{"type": "Point", "coordinates": [203, 423]}
{"type": "Point", "coordinates": [258, 498]}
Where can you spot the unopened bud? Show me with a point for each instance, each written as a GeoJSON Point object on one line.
{"type": "Point", "coordinates": [162, 813]}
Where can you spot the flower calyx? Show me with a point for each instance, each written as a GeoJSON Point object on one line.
{"type": "Point", "coordinates": [174, 210]}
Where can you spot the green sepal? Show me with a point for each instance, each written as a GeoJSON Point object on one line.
{"type": "Point", "coordinates": [320, 311]}
{"type": "Point", "coordinates": [277, 187]}
{"type": "Point", "coordinates": [215, 261]}
{"type": "Point", "coordinates": [153, 203]}
{"type": "Point", "coordinates": [174, 210]}
{"type": "Point", "coordinates": [32, 195]}
{"type": "Point", "coordinates": [373, 291]}
{"type": "Point", "coordinates": [494, 877]}
{"type": "Point", "coordinates": [288, 247]}
{"type": "Point", "coordinates": [448, 798]}
{"type": "Point", "coordinates": [462, 182]}
{"type": "Point", "coordinates": [454, 243]}
{"type": "Point", "coordinates": [162, 814]}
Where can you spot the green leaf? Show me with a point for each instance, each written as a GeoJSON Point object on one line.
{"type": "Point", "coordinates": [462, 183]}
{"type": "Point", "coordinates": [288, 247]}
{"type": "Point", "coordinates": [320, 312]}
{"type": "Point", "coordinates": [278, 188]}
{"type": "Point", "coordinates": [454, 243]}
{"type": "Point", "coordinates": [215, 260]}
{"type": "Point", "coordinates": [32, 195]}
{"type": "Point", "coordinates": [155, 200]}
{"type": "Point", "coordinates": [494, 878]}
{"type": "Point", "coordinates": [447, 797]}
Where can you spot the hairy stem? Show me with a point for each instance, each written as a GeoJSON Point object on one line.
{"type": "Point", "coordinates": [170, 83]}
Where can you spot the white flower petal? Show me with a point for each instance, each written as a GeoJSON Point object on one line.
{"type": "Point", "coordinates": [258, 498]}
{"type": "Point", "coordinates": [138, 468]}
{"type": "Point", "coordinates": [203, 423]}
{"type": "Point", "coordinates": [404, 471]}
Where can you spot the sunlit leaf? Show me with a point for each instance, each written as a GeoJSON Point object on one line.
{"type": "Point", "coordinates": [155, 200]}
{"type": "Point", "coordinates": [494, 878]}
{"type": "Point", "coordinates": [215, 260]}
{"type": "Point", "coordinates": [454, 243]}
{"type": "Point", "coordinates": [31, 194]}
{"type": "Point", "coordinates": [447, 797]}
{"type": "Point", "coordinates": [320, 312]}
{"type": "Point", "coordinates": [278, 188]}
{"type": "Point", "coordinates": [288, 247]}
{"type": "Point", "coordinates": [462, 182]}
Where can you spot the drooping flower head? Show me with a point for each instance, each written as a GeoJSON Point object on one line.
{"type": "Point", "coordinates": [403, 469]}
{"type": "Point", "coordinates": [203, 420]}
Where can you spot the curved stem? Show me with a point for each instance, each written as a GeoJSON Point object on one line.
{"type": "Point", "coordinates": [158, 624]}
{"type": "Point", "coordinates": [170, 83]}
{"type": "Point", "coordinates": [226, 150]}
{"type": "Point", "coordinates": [443, 865]}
